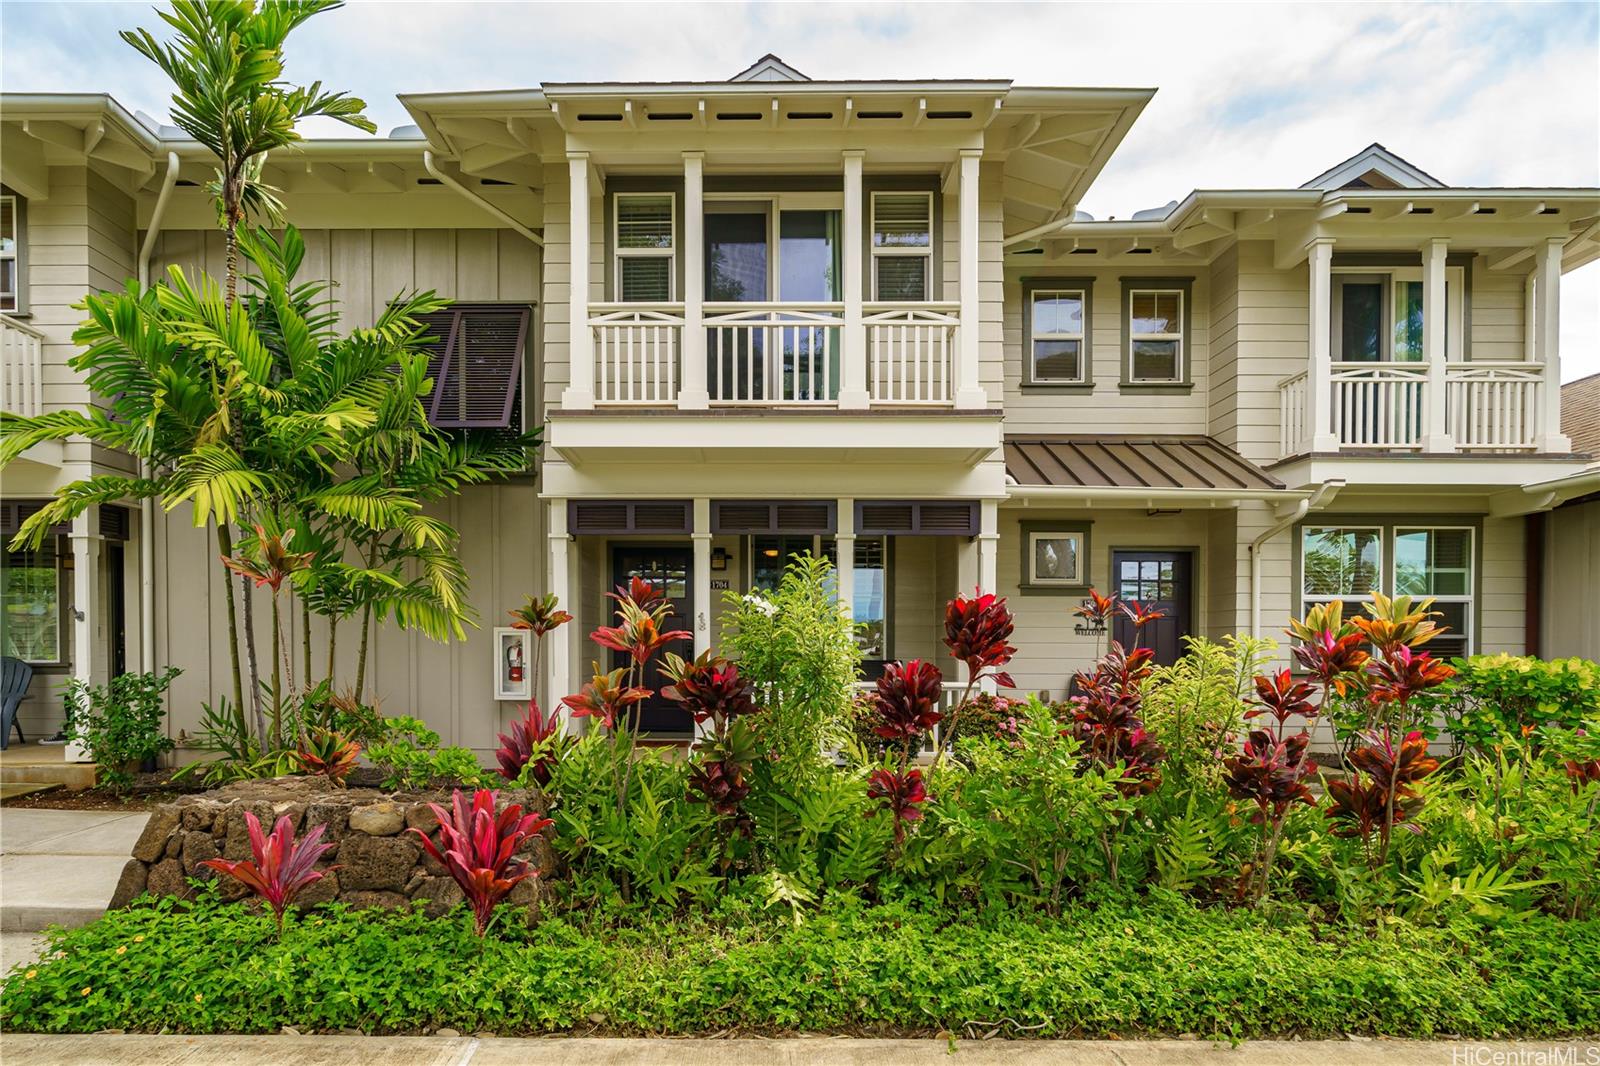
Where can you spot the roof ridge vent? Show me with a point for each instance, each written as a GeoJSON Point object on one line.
{"type": "Point", "coordinates": [769, 68]}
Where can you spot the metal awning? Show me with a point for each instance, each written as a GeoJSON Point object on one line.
{"type": "Point", "coordinates": [1102, 466]}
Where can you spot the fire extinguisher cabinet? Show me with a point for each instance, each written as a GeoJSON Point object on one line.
{"type": "Point", "coordinates": [513, 664]}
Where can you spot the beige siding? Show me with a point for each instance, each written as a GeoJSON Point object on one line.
{"type": "Point", "coordinates": [1496, 307]}
{"type": "Point", "coordinates": [1571, 623]}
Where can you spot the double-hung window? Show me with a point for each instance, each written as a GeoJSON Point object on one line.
{"type": "Point", "coordinates": [1058, 321]}
{"type": "Point", "coordinates": [646, 246]}
{"type": "Point", "coordinates": [902, 245]}
{"type": "Point", "coordinates": [1437, 562]}
{"type": "Point", "coordinates": [30, 601]}
{"type": "Point", "coordinates": [1340, 563]}
{"type": "Point", "coordinates": [10, 253]}
{"type": "Point", "coordinates": [1155, 335]}
{"type": "Point", "coordinates": [1416, 559]}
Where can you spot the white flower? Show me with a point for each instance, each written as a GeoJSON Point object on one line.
{"type": "Point", "coordinates": [761, 603]}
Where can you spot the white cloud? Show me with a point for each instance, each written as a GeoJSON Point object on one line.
{"type": "Point", "coordinates": [1250, 94]}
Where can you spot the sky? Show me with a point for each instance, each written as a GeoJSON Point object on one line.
{"type": "Point", "coordinates": [1250, 95]}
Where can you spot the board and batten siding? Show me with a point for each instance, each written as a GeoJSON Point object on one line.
{"type": "Point", "coordinates": [502, 547]}
{"type": "Point", "coordinates": [1571, 623]}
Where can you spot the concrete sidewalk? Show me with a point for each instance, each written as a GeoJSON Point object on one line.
{"type": "Point", "coordinates": [114, 1050]}
{"type": "Point", "coordinates": [59, 867]}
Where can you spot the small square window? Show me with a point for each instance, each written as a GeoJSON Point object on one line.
{"type": "Point", "coordinates": [1055, 558]}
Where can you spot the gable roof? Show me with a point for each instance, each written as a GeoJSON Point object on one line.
{"type": "Point", "coordinates": [1374, 167]}
{"type": "Point", "coordinates": [1580, 414]}
{"type": "Point", "coordinates": [769, 68]}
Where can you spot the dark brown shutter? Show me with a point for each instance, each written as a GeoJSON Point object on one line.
{"type": "Point", "coordinates": [617, 517]}
{"type": "Point", "coordinates": [476, 364]}
{"type": "Point", "coordinates": [772, 516]}
{"type": "Point", "coordinates": [114, 523]}
{"type": "Point", "coordinates": [15, 512]}
{"type": "Point", "coordinates": [930, 518]}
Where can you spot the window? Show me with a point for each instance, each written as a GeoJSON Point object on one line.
{"type": "Point", "coordinates": [476, 365]}
{"type": "Point", "coordinates": [1350, 563]}
{"type": "Point", "coordinates": [1155, 335]}
{"type": "Point", "coordinates": [1058, 325]}
{"type": "Point", "coordinates": [30, 628]}
{"type": "Point", "coordinates": [10, 253]}
{"type": "Point", "coordinates": [1055, 556]}
{"type": "Point", "coordinates": [646, 247]}
{"type": "Point", "coordinates": [902, 245]}
{"type": "Point", "coordinates": [770, 555]}
{"type": "Point", "coordinates": [1438, 563]}
{"type": "Point", "coordinates": [1377, 316]}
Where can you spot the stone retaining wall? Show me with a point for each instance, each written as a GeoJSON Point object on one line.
{"type": "Point", "coordinates": [375, 862]}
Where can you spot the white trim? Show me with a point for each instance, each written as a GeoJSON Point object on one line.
{"type": "Point", "coordinates": [1073, 580]}
{"type": "Point", "coordinates": [925, 253]}
{"type": "Point", "coordinates": [14, 256]}
{"type": "Point", "coordinates": [1391, 278]}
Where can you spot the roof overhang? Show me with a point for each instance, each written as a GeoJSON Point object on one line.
{"type": "Point", "coordinates": [1134, 471]}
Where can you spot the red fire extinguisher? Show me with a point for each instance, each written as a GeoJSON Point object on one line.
{"type": "Point", "coordinates": [514, 662]}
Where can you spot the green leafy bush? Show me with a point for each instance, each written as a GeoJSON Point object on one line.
{"type": "Point", "coordinates": [121, 722]}
{"type": "Point", "coordinates": [410, 757]}
{"type": "Point", "coordinates": [1494, 697]}
{"type": "Point", "coordinates": [1162, 967]}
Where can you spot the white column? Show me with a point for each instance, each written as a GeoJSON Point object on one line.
{"type": "Point", "coordinates": [692, 394]}
{"type": "Point", "coordinates": [579, 393]}
{"type": "Point", "coordinates": [969, 387]}
{"type": "Point", "coordinates": [87, 615]}
{"type": "Point", "coordinates": [1319, 376]}
{"type": "Point", "coordinates": [988, 543]}
{"type": "Point", "coordinates": [558, 665]}
{"type": "Point", "coordinates": [1435, 429]}
{"type": "Point", "coordinates": [702, 575]}
{"type": "Point", "coordinates": [853, 357]}
{"type": "Point", "coordinates": [844, 540]}
{"type": "Point", "coordinates": [1547, 337]}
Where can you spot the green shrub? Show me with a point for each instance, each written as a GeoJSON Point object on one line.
{"type": "Point", "coordinates": [410, 757]}
{"type": "Point", "coordinates": [1493, 697]}
{"type": "Point", "coordinates": [1162, 967]}
{"type": "Point", "coordinates": [121, 722]}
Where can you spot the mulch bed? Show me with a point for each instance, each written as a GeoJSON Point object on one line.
{"type": "Point", "coordinates": [148, 791]}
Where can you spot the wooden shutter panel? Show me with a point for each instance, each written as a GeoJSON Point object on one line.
{"type": "Point", "coordinates": [948, 519]}
{"type": "Point", "coordinates": [114, 523]}
{"type": "Point", "coordinates": [772, 516]}
{"type": "Point", "coordinates": [880, 518]}
{"type": "Point", "coordinates": [931, 518]}
{"type": "Point", "coordinates": [738, 516]}
{"type": "Point", "coordinates": [476, 365]}
{"type": "Point", "coordinates": [670, 516]}
{"type": "Point", "coordinates": [617, 517]}
{"type": "Point", "coordinates": [15, 512]}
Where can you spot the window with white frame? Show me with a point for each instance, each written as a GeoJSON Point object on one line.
{"type": "Point", "coordinates": [902, 245]}
{"type": "Point", "coordinates": [1376, 315]}
{"type": "Point", "coordinates": [1155, 335]}
{"type": "Point", "coordinates": [30, 602]}
{"type": "Point", "coordinates": [1419, 560]}
{"type": "Point", "coordinates": [646, 247]}
{"type": "Point", "coordinates": [1437, 562]}
{"type": "Point", "coordinates": [10, 253]}
{"type": "Point", "coordinates": [1056, 558]}
{"type": "Point", "coordinates": [1059, 321]}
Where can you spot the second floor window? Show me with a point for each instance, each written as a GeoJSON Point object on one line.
{"type": "Point", "coordinates": [1155, 335]}
{"type": "Point", "coordinates": [902, 245]}
{"type": "Point", "coordinates": [1377, 317]}
{"type": "Point", "coordinates": [476, 365]}
{"type": "Point", "coordinates": [10, 253]}
{"type": "Point", "coordinates": [646, 247]}
{"type": "Point", "coordinates": [1058, 336]}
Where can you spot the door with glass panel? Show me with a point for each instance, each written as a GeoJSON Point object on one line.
{"type": "Point", "coordinates": [761, 252]}
{"type": "Point", "coordinates": [1379, 374]}
{"type": "Point", "coordinates": [1160, 580]}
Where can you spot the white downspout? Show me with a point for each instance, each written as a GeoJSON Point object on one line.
{"type": "Point", "coordinates": [147, 521]}
{"type": "Point", "coordinates": [1316, 501]}
{"type": "Point", "coordinates": [447, 180]}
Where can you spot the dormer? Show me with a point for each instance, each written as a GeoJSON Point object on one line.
{"type": "Point", "coordinates": [1374, 167]}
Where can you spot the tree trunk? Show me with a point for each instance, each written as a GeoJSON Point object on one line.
{"type": "Point", "coordinates": [361, 655]}
{"type": "Point", "coordinates": [333, 642]}
{"type": "Point", "coordinates": [277, 677]}
{"type": "Point", "coordinates": [225, 546]}
{"type": "Point", "coordinates": [254, 669]}
{"type": "Point", "coordinates": [305, 640]}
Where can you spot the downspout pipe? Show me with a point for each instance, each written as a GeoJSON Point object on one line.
{"type": "Point", "coordinates": [1316, 501]}
{"type": "Point", "coordinates": [447, 180]}
{"type": "Point", "coordinates": [147, 520]}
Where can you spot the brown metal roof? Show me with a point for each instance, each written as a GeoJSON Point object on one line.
{"type": "Point", "coordinates": [1131, 462]}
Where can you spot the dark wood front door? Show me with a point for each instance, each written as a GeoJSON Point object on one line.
{"type": "Point", "coordinates": [1159, 579]}
{"type": "Point", "coordinates": [668, 568]}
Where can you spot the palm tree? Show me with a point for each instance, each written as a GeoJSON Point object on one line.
{"type": "Point", "coordinates": [226, 64]}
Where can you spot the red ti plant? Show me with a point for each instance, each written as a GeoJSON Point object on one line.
{"type": "Point", "coordinates": [542, 617]}
{"type": "Point", "coordinates": [1097, 611]}
{"type": "Point", "coordinates": [605, 697]}
{"type": "Point", "coordinates": [977, 631]}
{"type": "Point", "coordinates": [1107, 717]}
{"type": "Point", "coordinates": [711, 690]}
{"type": "Point", "coordinates": [902, 793]}
{"type": "Point", "coordinates": [1382, 793]}
{"type": "Point", "coordinates": [535, 738]}
{"type": "Point", "coordinates": [1270, 772]}
{"type": "Point", "coordinates": [324, 753]}
{"type": "Point", "coordinates": [278, 867]}
{"type": "Point", "coordinates": [1282, 697]}
{"type": "Point", "coordinates": [479, 849]}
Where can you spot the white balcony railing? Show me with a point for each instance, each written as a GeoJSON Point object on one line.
{"type": "Point", "coordinates": [1493, 406]}
{"type": "Point", "coordinates": [21, 367]}
{"type": "Point", "coordinates": [636, 352]}
{"type": "Point", "coordinates": [1379, 405]}
{"type": "Point", "coordinates": [910, 352]}
{"type": "Point", "coordinates": [773, 353]}
{"type": "Point", "coordinates": [1294, 413]}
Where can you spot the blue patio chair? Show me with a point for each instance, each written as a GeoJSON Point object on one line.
{"type": "Point", "coordinates": [15, 677]}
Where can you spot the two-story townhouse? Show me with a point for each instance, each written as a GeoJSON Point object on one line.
{"type": "Point", "coordinates": [865, 319]}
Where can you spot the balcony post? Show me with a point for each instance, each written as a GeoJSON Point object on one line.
{"type": "Point", "coordinates": [86, 615]}
{"type": "Point", "coordinates": [1547, 337]}
{"type": "Point", "coordinates": [692, 394]}
{"type": "Point", "coordinates": [1319, 376]}
{"type": "Point", "coordinates": [853, 357]}
{"type": "Point", "coordinates": [1435, 428]}
{"type": "Point", "coordinates": [579, 393]}
{"type": "Point", "coordinates": [970, 393]}
{"type": "Point", "coordinates": [844, 541]}
{"type": "Point", "coordinates": [559, 664]}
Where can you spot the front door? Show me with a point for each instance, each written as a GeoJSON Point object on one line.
{"type": "Point", "coordinates": [1159, 579]}
{"type": "Point", "coordinates": [668, 569]}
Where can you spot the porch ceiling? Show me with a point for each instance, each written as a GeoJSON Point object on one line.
{"type": "Point", "coordinates": [1139, 463]}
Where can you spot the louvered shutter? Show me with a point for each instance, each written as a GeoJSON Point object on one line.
{"type": "Point", "coordinates": [902, 220]}
{"type": "Point", "coordinates": [476, 365]}
{"type": "Point", "coordinates": [777, 516]}
{"type": "Point", "coordinates": [617, 517]}
{"type": "Point", "coordinates": [930, 518]}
